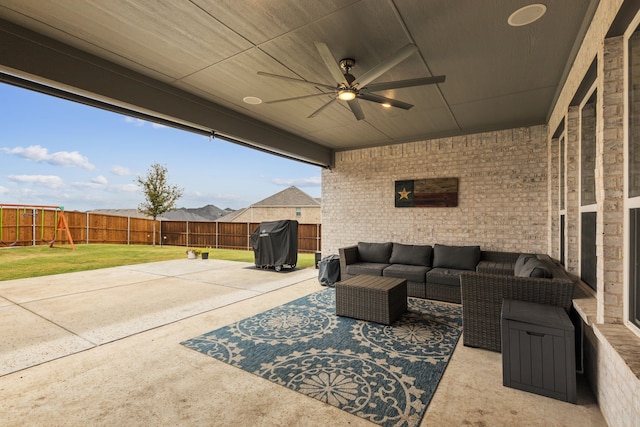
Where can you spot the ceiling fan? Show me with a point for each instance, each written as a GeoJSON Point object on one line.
{"type": "Point", "coordinates": [348, 88]}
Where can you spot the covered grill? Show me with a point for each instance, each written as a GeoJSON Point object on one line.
{"type": "Point", "coordinates": [275, 244]}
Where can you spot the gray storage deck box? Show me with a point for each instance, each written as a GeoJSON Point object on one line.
{"type": "Point", "coordinates": [538, 350]}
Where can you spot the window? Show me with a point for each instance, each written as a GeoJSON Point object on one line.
{"type": "Point", "coordinates": [634, 115]}
{"type": "Point", "coordinates": [588, 152]}
{"type": "Point", "coordinates": [634, 267]}
{"type": "Point", "coordinates": [562, 196]}
{"type": "Point", "coordinates": [298, 212]}
{"type": "Point", "coordinates": [633, 179]}
{"type": "Point", "coordinates": [562, 177]}
{"type": "Point", "coordinates": [562, 240]}
{"type": "Point", "coordinates": [588, 207]}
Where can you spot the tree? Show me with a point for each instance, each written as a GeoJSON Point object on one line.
{"type": "Point", "coordinates": [160, 197]}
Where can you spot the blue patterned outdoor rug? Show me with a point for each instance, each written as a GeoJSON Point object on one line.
{"type": "Point", "coordinates": [385, 374]}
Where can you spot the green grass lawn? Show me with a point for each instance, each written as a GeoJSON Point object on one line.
{"type": "Point", "coordinates": [33, 261]}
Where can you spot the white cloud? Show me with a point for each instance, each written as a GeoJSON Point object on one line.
{"type": "Point", "coordinates": [134, 121]}
{"type": "Point", "coordinates": [140, 123]}
{"type": "Point", "coordinates": [40, 154]}
{"type": "Point", "coordinates": [51, 181]}
{"type": "Point", "coordinates": [127, 188]}
{"type": "Point", "coordinates": [100, 180]}
{"type": "Point", "coordinates": [3, 190]}
{"type": "Point", "coordinates": [314, 181]}
{"type": "Point", "coordinates": [120, 170]}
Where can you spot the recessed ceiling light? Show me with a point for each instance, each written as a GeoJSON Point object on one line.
{"type": "Point", "coordinates": [252, 100]}
{"type": "Point", "coordinates": [526, 15]}
{"type": "Point", "coordinates": [386, 105]}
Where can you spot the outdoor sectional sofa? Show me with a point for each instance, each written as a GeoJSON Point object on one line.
{"type": "Point", "coordinates": [431, 272]}
{"type": "Point", "coordinates": [483, 293]}
{"type": "Point", "coordinates": [478, 279]}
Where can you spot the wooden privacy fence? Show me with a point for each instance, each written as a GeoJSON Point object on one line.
{"type": "Point", "coordinates": [35, 226]}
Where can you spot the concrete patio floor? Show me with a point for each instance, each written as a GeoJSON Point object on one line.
{"type": "Point", "coordinates": [102, 348]}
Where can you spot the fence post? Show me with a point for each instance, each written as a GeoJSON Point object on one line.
{"type": "Point", "coordinates": [86, 226]}
{"type": "Point", "coordinates": [187, 233]}
{"type": "Point", "coordinates": [33, 226]}
{"type": "Point", "coordinates": [128, 230]}
{"type": "Point", "coordinates": [217, 234]}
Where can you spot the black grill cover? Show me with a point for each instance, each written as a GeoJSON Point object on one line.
{"type": "Point", "coordinates": [275, 243]}
{"type": "Point", "coordinates": [329, 270]}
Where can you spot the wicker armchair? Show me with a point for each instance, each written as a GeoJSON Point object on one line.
{"type": "Point", "coordinates": [482, 296]}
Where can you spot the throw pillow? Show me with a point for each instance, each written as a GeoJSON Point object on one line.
{"type": "Point", "coordinates": [520, 262]}
{"type": "Point", "coordinates": [374, 252]}
{"type": "Point", "coordinates": [535, 268]}
{"type": "Point", "coordinates": [411, 255]}
{"type": "Point", "coordinates": [456, 257]}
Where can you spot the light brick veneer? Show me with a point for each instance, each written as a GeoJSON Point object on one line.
{"type": "Point", "coordinates": [502, 193]}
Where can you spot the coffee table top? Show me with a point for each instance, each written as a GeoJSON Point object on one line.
{"type": "Point", "coordinates": [372, 282]}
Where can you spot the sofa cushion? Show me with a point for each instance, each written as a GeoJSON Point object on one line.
{"type": "Point", "coordinates": [520, 262]}
{"type": "Point", "coordinates": [368, 268]}
{"type": "Point", "coordinates": [413, 273]}
{"type": "Point", "coordinates": [535, 268]}
{"type": "Point", "coordinates": [445, 276]}
{"type": "Point", "coordinates": [411, 255]}
{"type": "Point", "coordinates": [456, 257]}
{"type": "Point", "coordinates": [374, 252]}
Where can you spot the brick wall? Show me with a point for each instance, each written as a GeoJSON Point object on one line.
{"type": "Point", "coordinates": [502, 199]}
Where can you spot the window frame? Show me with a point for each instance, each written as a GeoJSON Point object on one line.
{"type": "Point", "coordinates": [630, 203]}
{"type": "Point", "coordinates": [593, 207]}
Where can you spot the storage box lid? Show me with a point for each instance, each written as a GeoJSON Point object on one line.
{"type": "Point", "coordinates": [536, 314]}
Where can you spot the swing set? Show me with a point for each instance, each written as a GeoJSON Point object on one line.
{"type": "Point", "coordinates": [32, 211]}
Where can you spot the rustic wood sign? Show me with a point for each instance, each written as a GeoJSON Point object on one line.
{"type": "Point", "coordinates": [434, 192]}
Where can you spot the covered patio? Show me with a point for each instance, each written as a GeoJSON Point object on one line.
{"type": "Point", "coordinates": [133, 371]}
{"type": "Point", "coordinates": [538, 122]}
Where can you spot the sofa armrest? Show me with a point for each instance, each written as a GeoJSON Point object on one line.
{"type": "Point", "coordinates": [348, 255]}
{"type": "Point", "coordinates": [482, 296]}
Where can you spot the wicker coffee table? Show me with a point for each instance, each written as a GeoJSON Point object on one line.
{"type": "Point", "coordinates": [373, 298]}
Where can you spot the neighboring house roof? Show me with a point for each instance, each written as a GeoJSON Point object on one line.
{"type": "Point", "coordinates": [291, 196]}
{"type": "Point", "coordinates": [231, 215]}
{"type": "Point", "coordinates": [205, 213]}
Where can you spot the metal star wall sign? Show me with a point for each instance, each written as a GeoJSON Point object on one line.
{"type": "Point", "coordinates": [404, 194]}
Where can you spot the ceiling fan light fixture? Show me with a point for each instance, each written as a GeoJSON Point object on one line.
{"type": "Point", "coordinates": [346, 95]}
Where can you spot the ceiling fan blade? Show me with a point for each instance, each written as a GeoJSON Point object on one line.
{"type": "Point", "coordinates": [386, 65]}
{"type": "Point", "coordinates": [293, 79]}
{"type": "Point", "coordinates": [275, 101]}
{"type": "Point", "coordinates": [315, 113]}
{"type": "Point", "coordinates": [356, 109]}
{"type": "Point", "coordinates": [331, 63]}
{"type": "Point", "coordinates": [384, 100]}
{"type": "Point", "coordinates": [404, 83]}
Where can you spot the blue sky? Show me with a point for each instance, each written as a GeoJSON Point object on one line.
{"type": "Point", "coordinates": [60, 153]}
